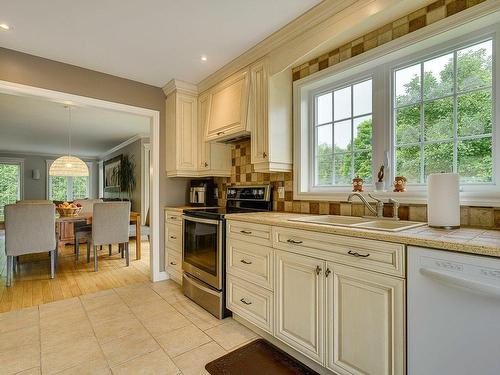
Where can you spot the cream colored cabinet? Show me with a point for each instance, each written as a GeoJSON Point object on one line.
{"type": "Point", "coordinates": [181, 129]}
{"type": "Point", "coordinates": [299, 303]}
{"type": "Point", "coordinates": [214, 159]}
{"type": "Point", "coordinates": [173, 245]}
{"type": "Point", "coordinates": [228, 108]}
{"type": "Point", "coordinates": [365, 322]}
{"type": "Point", "coordinates": [270, 120]}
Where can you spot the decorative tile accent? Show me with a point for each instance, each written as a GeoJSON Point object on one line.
{"type": "Point", "coordinates": [243, 173]}
{"type": "Point", "coordinates": [416, 20]}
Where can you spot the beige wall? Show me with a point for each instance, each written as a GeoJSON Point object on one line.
{"type": "Point", "coordinates": [35, 71]}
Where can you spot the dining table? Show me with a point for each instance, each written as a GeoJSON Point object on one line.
{"type": "Point", "coordinates": [135, 218]}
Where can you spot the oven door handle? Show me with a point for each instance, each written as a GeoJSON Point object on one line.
{"type": "Point", "coordinates": [200, 220]}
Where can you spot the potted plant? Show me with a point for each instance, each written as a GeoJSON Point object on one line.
{"type": "Point", "coordinates": [125, 175]}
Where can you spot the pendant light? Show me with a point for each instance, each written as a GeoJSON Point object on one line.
{"type": "Point", "coordinates": [69, 165]}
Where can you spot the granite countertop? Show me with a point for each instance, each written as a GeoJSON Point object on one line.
{"type": "Point", "coordinates": [466, 240]}
{"type": "Point", "coordinates": [182, 208]}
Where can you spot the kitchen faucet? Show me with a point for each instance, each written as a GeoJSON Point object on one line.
{"type": "Point", "coordinates": [379, 212]}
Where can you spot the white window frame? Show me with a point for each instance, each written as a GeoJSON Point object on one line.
{"type": "Point", "coordinates": [20, 163]}
{"type": "Point", "coordinates": [379, 63]}
{"type": "Point", "coordinates": [70, 182]}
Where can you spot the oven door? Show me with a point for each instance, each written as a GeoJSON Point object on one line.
{"type": "Point", "coordinates": [202, 249]}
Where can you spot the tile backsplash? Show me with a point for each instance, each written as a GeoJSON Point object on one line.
{"type": "Point", "coordinates": [243, 173]}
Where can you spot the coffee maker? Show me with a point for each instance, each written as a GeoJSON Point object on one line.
{"type": "Point", "coordinates": [202, 193]}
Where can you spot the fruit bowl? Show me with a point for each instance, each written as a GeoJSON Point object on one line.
{"type": "Point", "coordinates": [68, 211]}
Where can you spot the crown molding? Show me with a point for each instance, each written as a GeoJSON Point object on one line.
{"type": "Point", "coordinates": [6, 153]}
{"type": "Point", "coordinates": [122, 145]}
{"type": "Point", "coordinates": [180, 86]}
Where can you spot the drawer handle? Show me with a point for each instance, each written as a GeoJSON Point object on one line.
{"type": "Point", "coordinates": [220, 133]}
{"type": "Point", "coordinates": [173, 263]}
{"type": "Point", "coordinates": [327, 272]}
{"type": "Point", "coordinates": [245, 232]}
{"type": "Point", "coordinates": [293, 241]}
{"type": "Point", "coordinates": [318, 270]}
{"type": "Point", "coordinates": [173, 237]}
{"type": "Point", "coordinates": [173, 217]}
{"type": "Point", "coordinates": [355, 254]}
{"type": "Point", "coordinates": [245, 302]}
{"type": "Point", "coordinates": [245, 261]}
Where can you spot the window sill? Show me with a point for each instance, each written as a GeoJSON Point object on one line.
{"type": "Point", "coordinates": [483, 199]}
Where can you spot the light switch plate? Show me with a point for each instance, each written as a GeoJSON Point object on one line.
{"type": "Point", "coordinates": [281, 192]}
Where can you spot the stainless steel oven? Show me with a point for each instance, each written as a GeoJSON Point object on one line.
{"type": "Point", "coordinates": [203, 249]}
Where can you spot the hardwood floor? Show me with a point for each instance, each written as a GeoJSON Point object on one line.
{"type": "Point", "coordinates": [31, 285]}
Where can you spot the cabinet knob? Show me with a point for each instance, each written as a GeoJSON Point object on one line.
{"type": "Point", "coordinates": [264, 155]}
{"type": "Point", "coordinates": [245, 302]}
{"type": "Point", "coordinates": [205, 164]}
{"type": "Point", "coordinates": [173, 237]}
{"type": "Point", "coordinates": [327, 272]}
{"type": "Point", "coordinates": [173, 263]}
{"type": "Point", "coordinates": [318, 270]}
{"type": "Point", "coordinates": [355, 254]}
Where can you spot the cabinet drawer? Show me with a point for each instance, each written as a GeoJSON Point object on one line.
{"type": "Point", "coordinates": [174, 260]}
{"type": "Point", "coordinates": [250, 262]}
{"type": "Point", "coordinates": [254, 233]}
{"type": "Point", "coordinates": [175, 275]}
{"type": "Point", "coordinates": [173, 217]}
{"type": "Point", "coordinates": [173, 237]}
{"type": "Point", "coordinates": [251, 302]}
{"type": "Point", "coordinates": [373, 255]}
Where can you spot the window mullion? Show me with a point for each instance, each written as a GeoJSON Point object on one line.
{"type": "Point", "coordinates": [333, 140]}
{"type": "Point", "coordinates": [455, 114]}
{"type": "Point", "coordinates": [69, 187]}
{"type": "Point", "coordinates": [422, 129]}
{"type": "Point", "coordinates": [352, 131]}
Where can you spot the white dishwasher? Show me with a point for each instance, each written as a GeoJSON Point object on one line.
{"type": "Point", "coordinates": [453, 313]}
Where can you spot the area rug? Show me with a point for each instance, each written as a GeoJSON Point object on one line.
{"type": "Point", "coordinates": [258, 357]}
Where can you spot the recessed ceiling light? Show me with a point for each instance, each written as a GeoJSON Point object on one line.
{"type": "Point", "coordinates": [204, 58]}
{"type": "Point", "coordinates": [4, 26]}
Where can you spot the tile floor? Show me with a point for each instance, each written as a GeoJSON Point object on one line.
{"type": "Point", "coordinates": [148, 328]}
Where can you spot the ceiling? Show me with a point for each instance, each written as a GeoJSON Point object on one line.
{"type": "Point", "coordinates": [35, 125]}
{"type": "Point", "coordinates": [150, 41]}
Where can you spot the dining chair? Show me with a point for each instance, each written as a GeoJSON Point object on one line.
{"type": "Point", "coordinates": [30, 229]}
{"type": "Point", "coordinates": [145, 229]}
{"type": "Point", "coordinates": [110, 225]}
{"type": "Point", "coordinates": [82, 230]}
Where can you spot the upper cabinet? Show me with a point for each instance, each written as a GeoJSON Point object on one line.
{"type": "Point", "coordinates": [181, 129]}
{"type": "Point", "coordinates": [228, 108]}
{"type": "Point", "coordinates": [187, 153]}
{"type": "Point", "coordinates": [270, 118]}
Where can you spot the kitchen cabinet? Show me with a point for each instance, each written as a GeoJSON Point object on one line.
{"type": "Point", "coordinates": [228, 108]}
{"type": "Point", "coordinates": [214, 159]}
{"type": "Point", "coordinates": [365, 322]}
{"type": "Point", "coordinates": [299, 303]}
{"type": "Point", "coordinates": [338, 300]}
{"type": "Point", "coordinates": [270, 120]}
{"type": "Point", "coordinates": [173, 245]}
{"type": "Point", "coordinates": [181, 129]}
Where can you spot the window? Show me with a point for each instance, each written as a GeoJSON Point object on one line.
{"type": "Point", "coordinates": [443, 116]}
{"type": "Point", "coordinates": [416, 109]}
{"type": "Point", "coordinates": [342, 135]}
{"type": "Point", "coordinates": [61, 188]}
{"type": "Point", "coordinates": [11, 178]}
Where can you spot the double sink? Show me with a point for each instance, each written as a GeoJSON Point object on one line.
{"type": "Point", "coordinates": [361, 222]}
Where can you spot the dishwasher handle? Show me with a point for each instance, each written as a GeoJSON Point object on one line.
{"type": "Point", "coordinates": [462, 282]}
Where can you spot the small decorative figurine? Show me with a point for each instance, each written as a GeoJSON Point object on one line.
{"type": "Point", "coordinates": [379, 185]}
{"type": "Point", "coordinates": [399, 184]}
{"type": "Point", "coordinates": [357, 184]}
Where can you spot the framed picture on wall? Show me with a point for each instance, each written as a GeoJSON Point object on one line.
{"type": "Point", "coordinates": [110, 170]}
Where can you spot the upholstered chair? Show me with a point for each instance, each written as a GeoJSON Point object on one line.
{"type": "Point", "coordinates": [145, 229]}
{"type": "Point", "coordinates": [82, 230]}
{"type": "Point", "coordinates": [110, 225]}
{"type": "Point", "coordinates": [30, 229]}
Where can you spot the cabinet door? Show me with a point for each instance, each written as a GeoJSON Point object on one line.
{"type": "Point", "coordinates": [258, 112]}
{"type": "Point", "coordinates": [228, 107]}
{"type": "Point", "coordinates": [299, 294]}
{"type": "Point", "coordinates": [186, 129]}
{"type": "Point", "coordinates": [365, 322]}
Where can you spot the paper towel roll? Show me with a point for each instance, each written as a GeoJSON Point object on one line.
{"type": "Point", "coordinates": [443, 200]}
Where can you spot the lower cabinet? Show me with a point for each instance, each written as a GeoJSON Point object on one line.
{"type": "Point", "coordinates": [299, 303]}
{"type": "Point", "coordinates": [365, 322]}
